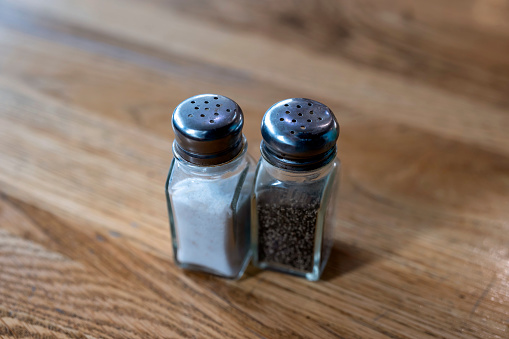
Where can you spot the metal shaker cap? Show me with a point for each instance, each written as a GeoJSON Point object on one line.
{"type": "Point", "coordinates": [208, 129]}
{"type": "Point", "coordinates": [299, 134]}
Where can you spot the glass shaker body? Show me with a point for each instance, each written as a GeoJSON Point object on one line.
{"type": "Point", "coordinates": [209, 187]}
{"type": "Point", "coordinates": [209, 215]}
{"type": "Point", "coordinates": [293, 217]}
{"type": "Point", "coordinates": [293, 207]}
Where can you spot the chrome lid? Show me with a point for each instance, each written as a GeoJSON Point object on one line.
{"type": "Point", "coordinates": [299, 134]}
{"type": "Point", "coordinates": [208, 129]}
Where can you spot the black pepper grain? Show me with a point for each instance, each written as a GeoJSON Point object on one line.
{"type": "Point", "coordinates": [286, 229]}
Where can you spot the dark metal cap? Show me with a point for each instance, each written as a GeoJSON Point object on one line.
{"type": "Point", "coordinates": [299, 134]}
{"type": "Point", "coordinates": [208, 129]}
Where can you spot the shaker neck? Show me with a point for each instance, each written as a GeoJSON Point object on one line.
{"type": "Point", "coordinates": [212, 170]}
{"type": "Point", "coordinates": [298, 176]}
{"type": "Point", "coordinates": [296, 163]}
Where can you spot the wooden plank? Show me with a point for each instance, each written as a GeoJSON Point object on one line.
{"type": "Point", "coordinates": [59, 149]}
{"type": "Point", "coordinates": [86, 89]}
{"type": "Point", "coordinates": [356, 89]}
{"type": "Point", "coordinates": [460, 46]}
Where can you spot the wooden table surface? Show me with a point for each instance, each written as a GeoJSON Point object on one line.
{"type": "Point", "coordinates": [421, 90]}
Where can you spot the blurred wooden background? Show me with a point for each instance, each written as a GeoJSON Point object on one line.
{"type": "Point", "coordinates": [420, 88]}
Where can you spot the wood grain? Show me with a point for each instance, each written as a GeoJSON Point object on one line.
{"type": "Point", "coordinates": [420, 90]}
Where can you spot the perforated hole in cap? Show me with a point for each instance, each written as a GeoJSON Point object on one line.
{"type": "Point", "coordinates": [300, 117]}
{"type": "Point", "coordinates": [210, 114]}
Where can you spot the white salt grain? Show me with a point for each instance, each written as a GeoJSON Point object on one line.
{"type": "Point", "coordinates": [203, 220]}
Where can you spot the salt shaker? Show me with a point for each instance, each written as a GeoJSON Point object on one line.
{"type": "Point", "coordinates": [209, 187]}
{"type": "Point", "coordinates": [293, 207]}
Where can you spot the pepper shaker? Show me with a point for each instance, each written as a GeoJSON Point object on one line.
{"type": "Point", "coordinates": [296, 182]}
{"type": "Point", "coordinates": [209, 187]}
